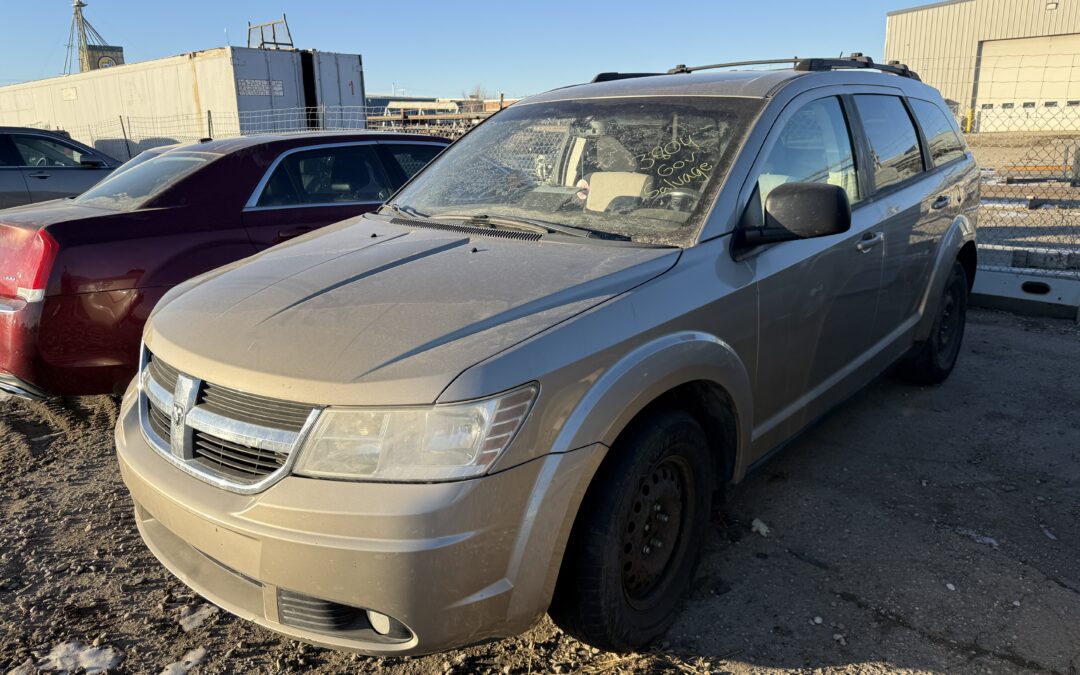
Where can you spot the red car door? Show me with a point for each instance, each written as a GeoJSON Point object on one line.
{"type": "Point", "coordinates": [308, 188]}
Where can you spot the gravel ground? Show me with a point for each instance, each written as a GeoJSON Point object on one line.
{"type": "Point", "coordinates": [915, 529]}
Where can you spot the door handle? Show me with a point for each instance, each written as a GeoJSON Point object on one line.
{"type": "Point", "coordinates": [295, 232]}
{"type": "Point", "coordinates": [869, 241]}
{"type": "Point", "coordinates": [941, 202]}
{"type": "Point", "coordinates": [40, 175]}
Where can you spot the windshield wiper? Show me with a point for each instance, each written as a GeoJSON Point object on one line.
{"type": "Point", "coordinates": [402, 210]}
{"type": "Point", "coordinates": [532, 225]}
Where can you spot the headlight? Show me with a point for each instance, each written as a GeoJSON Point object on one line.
{"type": "Point", "coordinates": [442, 442]}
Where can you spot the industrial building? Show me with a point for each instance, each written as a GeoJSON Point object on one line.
{"type": "Point", "coordinates": [1002, 64]}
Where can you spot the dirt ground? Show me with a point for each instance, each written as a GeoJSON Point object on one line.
{"type": "Point", "coordinates": [915, 529]}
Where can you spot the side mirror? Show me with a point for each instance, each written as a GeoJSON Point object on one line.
{"type": "Point", "coordinates": [801, 211]}
{"type": "Point", "coordinates": [92, 163]}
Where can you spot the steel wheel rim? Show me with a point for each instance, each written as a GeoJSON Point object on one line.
{"type": "Point", "coordinates": [653, 534]}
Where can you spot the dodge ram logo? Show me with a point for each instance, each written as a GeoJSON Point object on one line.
{"type": "Point", "coordinates": [178, 413]}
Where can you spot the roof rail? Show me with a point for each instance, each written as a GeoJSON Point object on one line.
{"type": "Point", "coordinates": [855, 60]}
{"type": "Point", "coordinates": [608, 77]}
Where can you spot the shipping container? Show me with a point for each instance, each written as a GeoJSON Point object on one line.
{"type": "Point", "coordinates": [215, 92]}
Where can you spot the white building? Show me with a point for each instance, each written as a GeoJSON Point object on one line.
{"type": "Point", "coordinates": [1007, 64]}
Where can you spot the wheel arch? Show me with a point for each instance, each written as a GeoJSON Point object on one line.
{"type": "Point", "coordinates": [693, 371]}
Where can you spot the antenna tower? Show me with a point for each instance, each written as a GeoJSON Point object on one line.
{"type": "Point", "coordinates": [81, 38]}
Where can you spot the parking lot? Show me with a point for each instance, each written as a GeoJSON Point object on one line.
{"type": "Point", "coordinates": [915, 529]}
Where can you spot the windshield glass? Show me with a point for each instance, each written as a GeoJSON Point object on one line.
{"type": "Point", "coordinates": [130, 186]}
{"type": "Point", "coordinates": [643, 168]}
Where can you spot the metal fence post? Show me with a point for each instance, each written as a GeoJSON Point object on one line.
{"type": "Point", "coordinates": [209, 124]}
{"type": "Point", "coordinates": [127, 143]}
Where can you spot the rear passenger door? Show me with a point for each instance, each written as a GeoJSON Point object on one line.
{"type": "Point", "coordinates": [308, 188]}
{"type": "Point", "coordinates": [915, 205]}
{"type": "Point", "coordinates": [817, 297]}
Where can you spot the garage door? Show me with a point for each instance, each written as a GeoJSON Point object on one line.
{"type": "Point", "coordinates": [1027, 84]}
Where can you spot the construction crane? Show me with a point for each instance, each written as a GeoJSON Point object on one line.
{"type": "Point", "coordinates": [84, 40]}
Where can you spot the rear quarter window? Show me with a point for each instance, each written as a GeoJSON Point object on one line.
{"type": "Point", "coordinates": [941, 137]}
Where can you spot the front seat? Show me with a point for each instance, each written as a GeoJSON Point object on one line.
{"type": "Point", "coordinates": [616, 177]}
{"type": "Point", "coordinates": [350, 178]}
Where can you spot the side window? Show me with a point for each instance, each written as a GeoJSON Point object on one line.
{"type": "Point", "coordinates": [813, 147]}
{"type": "Point", "coordinates": [945, 144]}
{"type": "Point", "coordinates": [38, 151]}
{"type": "Point", "coordinates": [413, 157]}
{"type": "Point", "coordinates": [327, 176]}
{"type": "Point", "coordinates": [894, 145]}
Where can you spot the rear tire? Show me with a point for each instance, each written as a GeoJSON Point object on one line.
{"type": "Point", "coordinates": [933, 360]}
{"type": "Point", "coordinates": [638, 536]}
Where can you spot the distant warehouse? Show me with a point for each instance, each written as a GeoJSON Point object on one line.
{"type": "Point", "coordinates": [216, 92]}
{"type": "Point", "coordinates": [1001, 63]}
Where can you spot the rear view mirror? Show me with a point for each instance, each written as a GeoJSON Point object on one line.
{"type": "Point", "coordinates": [801, 211]}
{"type": "Point", "coordinates": [92, 163]}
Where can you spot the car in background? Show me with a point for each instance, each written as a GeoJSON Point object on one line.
{"type": "Point", "coordinates": [78, 277]}
{"type": "Point", "coordinates": [38, 165]}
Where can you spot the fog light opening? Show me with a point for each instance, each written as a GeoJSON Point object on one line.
{"type": "Point", "coordinates": [380, 623]}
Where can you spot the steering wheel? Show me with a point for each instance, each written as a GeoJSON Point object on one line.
{"type": "Point", "coordinates": [41, 161]}
{"type": "Point", "coordinates": [679, 199]}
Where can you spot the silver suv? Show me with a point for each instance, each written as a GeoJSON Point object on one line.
{"type": "Point", "coordinates": [519, 386]}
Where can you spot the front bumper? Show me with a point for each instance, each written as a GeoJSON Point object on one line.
{"type": "Point", "coordinates": [450, 563]}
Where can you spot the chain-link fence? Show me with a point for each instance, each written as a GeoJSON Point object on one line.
{"type": "Point", "coordinates": [1020, 115]}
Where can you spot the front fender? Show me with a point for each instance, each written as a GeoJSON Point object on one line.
{"type": "Point", "coordinates": [647, 372]}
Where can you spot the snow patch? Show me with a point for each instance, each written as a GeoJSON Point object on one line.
{"type": "Point", "coordinates": [760, 527]}
{"type": "Point", "coordinates": [191, 618]}
{"type": "Point", "coordinates": [976, 537]}
{"type": "Point", "coordinates": [74, 655]}
{"type": "Point", "coordinates": [190, 660]}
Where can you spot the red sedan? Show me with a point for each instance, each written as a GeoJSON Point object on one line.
{"type": "Point", "coordinates": [78, 277]}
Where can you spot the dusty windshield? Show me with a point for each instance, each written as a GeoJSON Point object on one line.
{"type": "Point", "coordinates": [127, 188]}
{"type": "Point", "coordinates": [641, 168]}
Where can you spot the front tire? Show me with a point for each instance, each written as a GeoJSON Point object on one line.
{"type": "Point", "coordinates": [638, 536]}
{"type": "Point", "coordinates": [934, 359]}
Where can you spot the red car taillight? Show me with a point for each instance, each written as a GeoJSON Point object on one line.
{"type": "Point", "coordinates": [26, 259]}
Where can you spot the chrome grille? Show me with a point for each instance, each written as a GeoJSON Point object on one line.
{"type": "Point", "coordinates": [165, 374]}
{"type": "Point", "coordinates": [238, 441]}
{"type": "Point", "coordinates": [254, 409]}
{"type": "Point", "coordinates": [159, 422]}
{"type": "Point", "coordinates": [235, 459]}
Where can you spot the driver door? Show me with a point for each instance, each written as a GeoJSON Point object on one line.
{"type": "Point", "coordinates": [817, 297]}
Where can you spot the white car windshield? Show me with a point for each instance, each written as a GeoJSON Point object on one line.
{"type": "Point", "coordinates": [644, 169]}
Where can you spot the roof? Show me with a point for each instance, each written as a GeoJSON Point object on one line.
{"type": "Point", "coordinates": [749, 83]}
{"type": "Point", "coordinates": [919, 8]}
{"type": "Point", "coordinates": [741, 83]}
{"type": "Point", "coordinates": [226, 145]}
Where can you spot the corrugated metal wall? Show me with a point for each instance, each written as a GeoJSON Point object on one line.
{"type": "Point", "coordinates": [189, 84]}
{"type": "Point", "coordinates": [941, 42]}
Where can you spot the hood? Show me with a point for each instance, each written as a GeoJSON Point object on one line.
{"type": "Point", "coordinates": [372, 313]}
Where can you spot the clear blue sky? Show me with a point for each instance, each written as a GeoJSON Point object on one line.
{"type": "Point", "coordinates": [444, 48]}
